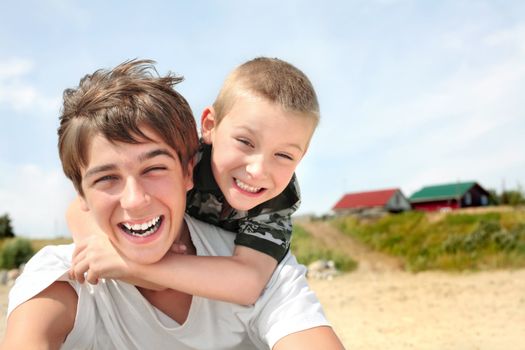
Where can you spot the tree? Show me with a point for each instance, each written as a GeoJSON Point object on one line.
{"type": "Point", "coordinates": [494, 198]}
{"type": "Point", "coordinates": [512, 197]}
{"type": "Point", "coordinates": [6, 230]}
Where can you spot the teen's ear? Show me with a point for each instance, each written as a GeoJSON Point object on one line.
{"type": "Point", "coordinates": [207, 124]}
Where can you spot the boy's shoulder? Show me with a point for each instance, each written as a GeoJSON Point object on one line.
{"type": "Point", "coordinates": [205, 200]}
{"type": "Point", "coordinates": [203, 180]}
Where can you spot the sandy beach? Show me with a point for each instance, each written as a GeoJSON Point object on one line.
{"type": "Point", "coordinates": [399, 310]}
{"type": "Point", "coordinates": [430, 310]}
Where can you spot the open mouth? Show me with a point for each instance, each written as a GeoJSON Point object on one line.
{"type": "Point", "coordinates": [142, 230]}
{"type": "Point", "coordinates": [245, 187]}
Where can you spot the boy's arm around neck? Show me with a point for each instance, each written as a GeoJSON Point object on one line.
{"type": "Point", "coordinates": [238, 279]}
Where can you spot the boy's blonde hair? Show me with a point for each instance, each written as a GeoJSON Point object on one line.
{"type": "Point", "coordinates": [116, 104]}
{"type": "Point", "coordinates": [272, 79]}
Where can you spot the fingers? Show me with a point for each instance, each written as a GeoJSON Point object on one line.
{"type": "Point", "coordinates": [79, 247]}
{"type": "Point", "coordinates": [78, 268]}
{"type": "Point", "coordinates": [92, 277]}
{"type": "Point", "coordinates": [96, 258]}
{"type": "Point", "coordinates": [79, 254]}
{"type": "Point", "coordinates": [84, 272]}
{"type": "Point", "coordinates": [83, 267]}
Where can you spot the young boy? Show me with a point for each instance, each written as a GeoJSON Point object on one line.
{"type": "Point", "coordinates": [127, 140]}
{"type": "Point", "coordinates": [254, 136]}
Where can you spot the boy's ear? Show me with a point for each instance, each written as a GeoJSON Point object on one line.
{"type": "Point", "coordinates": [189, 173]}
{"type": "Point", "coordinates": [207, 124]}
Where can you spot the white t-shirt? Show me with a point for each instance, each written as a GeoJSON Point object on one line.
{"type": "Point", "coordinates": [114, 315]}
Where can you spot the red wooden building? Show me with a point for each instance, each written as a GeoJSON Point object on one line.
{"type": "Point", "coordinates": [449, 196]}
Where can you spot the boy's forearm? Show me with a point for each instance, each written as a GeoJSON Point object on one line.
{"type": "Point", "coordinates": [80, 223]}
{"type": "Point", "coordinates": [140, 282]}
{"type": "Point", "coordinates": [227, 278]}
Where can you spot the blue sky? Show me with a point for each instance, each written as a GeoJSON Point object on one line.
{"type": "Point", "coordinates": [412, 92]}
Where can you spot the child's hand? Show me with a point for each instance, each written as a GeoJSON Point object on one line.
{"type": "Point", "coordinates": [99, 258]}
{"type": "Point", "coordinates": [179, 248]}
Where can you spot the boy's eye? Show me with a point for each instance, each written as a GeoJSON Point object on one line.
{"type": "Point", "coordinates": [284, 156]}
{"type": "Point", "coordinates": [245, 142]}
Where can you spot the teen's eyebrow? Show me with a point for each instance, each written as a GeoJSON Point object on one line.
{"type": "Point", "coordinates": [99, 169]}
{"type": "Point", "coordinates": [155, 153]}
{"type": "Point", "coordinates": [145, 156]}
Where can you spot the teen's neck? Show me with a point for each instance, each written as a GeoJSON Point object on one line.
{"type": "Point", "coordinates": [185, 238]}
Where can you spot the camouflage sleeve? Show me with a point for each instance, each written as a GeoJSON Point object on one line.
{"type": "Point", "coordinates": [269, 229]}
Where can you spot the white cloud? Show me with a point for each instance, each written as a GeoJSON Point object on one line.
{"type": "Point", "coordinates": [18, 94]}
{"type": "Point", "coordinates": [13, 68]}
{"type": "Point", "coordinates": [35, 199]}
{"type": "Point", "coordinates": [512, 37]}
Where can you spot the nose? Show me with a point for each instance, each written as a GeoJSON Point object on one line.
{"type": "Point", "coordinates": [134, 196]}
{"type": "Point", "coordinates": [256, 166]}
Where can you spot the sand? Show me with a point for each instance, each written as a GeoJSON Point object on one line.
{"type": "Point", "coordinates": [399, 310]}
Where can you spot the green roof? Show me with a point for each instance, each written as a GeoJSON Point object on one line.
{"type": "Point", "coordinates": [452, 190]}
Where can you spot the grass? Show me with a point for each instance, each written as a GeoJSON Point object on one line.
{"type": "Point", "coordinates": [307, 249]}
{"type": "Point", "coordinates": [38, 244]}
{"type": "Point", "coordinates": [18, 250]}
{"type": "Point", "coordinates": [455, 242]}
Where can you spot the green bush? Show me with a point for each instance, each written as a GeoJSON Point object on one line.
{"type": "Point", "coordinates": [455, 241]}
{"type": "Point", "coordinates": [15, 252]}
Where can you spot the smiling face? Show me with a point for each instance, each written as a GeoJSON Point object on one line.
{"type": "Point", "coordinates": [137, 194]}
{"type": "Point", "coordinates": [256, 148]}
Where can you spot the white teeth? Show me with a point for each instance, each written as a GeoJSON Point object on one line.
{"type": "Point", "coordinates": [149, 226]}
{"type": "Point", "coordinates": [247, 187]}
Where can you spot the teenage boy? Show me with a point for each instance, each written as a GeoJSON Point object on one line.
{"type": "Point", "coordinates": [127, 140]}
{"type": "Point", "coordinates": [254, 136]}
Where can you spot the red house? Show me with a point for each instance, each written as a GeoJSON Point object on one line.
{"type": "Point", "coordinates": [449, 196]}
{"type": "Point", "coordinates": [391, 200]}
